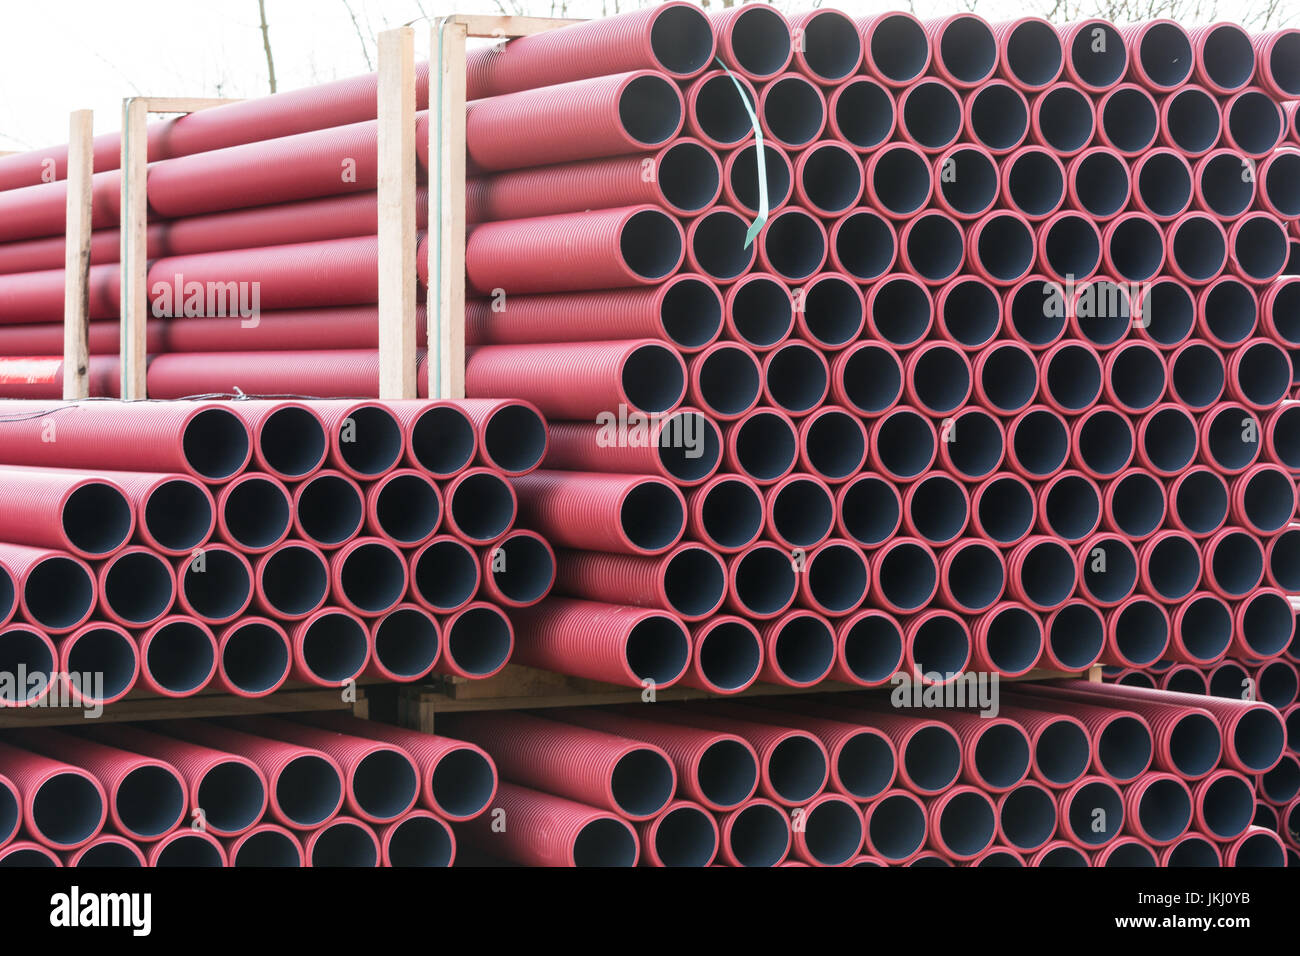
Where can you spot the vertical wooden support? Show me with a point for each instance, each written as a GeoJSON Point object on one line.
{"type": "Point", "coordinates": [76, 262]}
{"type": "Point", "coordinates": [447, 255]}
{"type": "Point", "coordinates": [397, 275]}
{"type": "Point", "coordinates": [135, 247]}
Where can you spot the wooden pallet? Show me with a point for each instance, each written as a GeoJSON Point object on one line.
{"type": "Point", "coordinates": [143, 705]}
{"type": "Point", "coordinates": [518, 687]}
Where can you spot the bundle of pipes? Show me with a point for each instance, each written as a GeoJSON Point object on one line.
{"type": "Point", "coordinates": [318, 790]}
{"type": "Point", "coordinates": [246, 543]}
{"type": "Point", "coordinates": [1072, 774]}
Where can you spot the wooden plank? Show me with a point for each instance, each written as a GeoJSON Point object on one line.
{"type": "Point", "coordinates": [134, 248]}
{"type": "Point", "coordinates": [486, 26]}
{"type": "Point", "coordinates": [186, 104]}
{"type": "Point", "coordinates": [446, 357]}
{"type": "Point", "coordinates": [172, 708]}
{"type": "Point", "coordinates": [76, 262]}
{"type": "Point", "coordinates": [397, 278]}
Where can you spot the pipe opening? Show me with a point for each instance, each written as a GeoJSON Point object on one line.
{"type": "Point", "coordinates": [1164, 182]}
{"type": "Point", "coordinates": [1228, 679]}
{"type": "Point", "coordinates": [804, 649]}
{"type": "Point", "coordinates": [372, 577]}
{"type": "Point", "coordinates": [1098, 65]}
{"type": "Point", "coordinates": [835, 445]}
{"type": "Point", "coordinates": [833, 832]}
{"type": "Point", "coordinates": [802, 512]}
{"type": "Point", "coordinates": [329, 509]}
{"type": "Point", "coordinates": [1027, 817]}
{"type": "Point", "coordinates": [999, 116]}
{"type": "Point", "coordinates": [938, 508]}
{"type": "Point", "coordinates": [900, 181]}
{"type": "Point", "coordinates": [406, 643]}
{"type": "Point", "coordinates": [731, 514]}
{"type": "Point", "coordinates": [292, 442]}
{"type": "Point", "coordinates": [1141, 631]}
{"type": "Point", "coordinates": [479, 641]}
{"type": "Point", "coordinates": [1165, 54]}
{"type": "Point", "coordinates": [1254, 122]}
{"type": "Point", "coordinates": [652, 516]}
{"type": "Point", "coordinates": [67, 808]}
{"type": "Point", "coordinates": [905, 444]}
{"type": "Point", "coordinates": [1260, 248]}
{"type": "Point", "coordinates": [1137, 504]}
{"type": "Point", "coordinates": [971, 184]}
{"type": "Point", "coordinates": [138, 587]}
{"type": "Point", "coordinates": [729, 656]}
{"type": "Point", "coordinates": [658, 649]}
{"type": "Point", "coordinates": [1277, 684]}
{"type": "Point", "coordinates": [873, 648]}
{"type": "Point", "coordinates": [267, 848]}
{"type": "Point", "coordinates": [976, 576]}
{"type": "Point", "coordinates": [1062, 754]}
{"type": "Point", "coordinates": [940, 647]}
{"type": "Point", "coordinates": [832, 46]}
{"type": "Point", "coordinates": [514, 439]}
{"type": "Point", "coordinates": [309, 790]}
{"type": "Point", "coordinates": [1237, 565]}
{"type": "Point", "coordinates": [181, 657]}
{"type": "Point", "coordinates": [1185, 679]}
{"type": "Point", "coordinates": [344, 843]}
{"type": "Point", "coordinates": [896, 827]}
{"type": "Point", "coordinates": [107, 653]}
{"type": "Point", "coordinates": [690, 314]}
{"type": "Point", "coordinates": [407, 507]}
{"type": "Point", "coordinates": [1199, 248]}
{"type": "Point", "coordinates": [1226, 439]}
{"type": "Point", "coordinates": [761, 311]}
{"type": "Point", "coordinates": [232, 796]}
{"type": "Point", "coordinates": [718, 245]}
{"type": "Point", "coordinates": [1105, 442]}
{"type": "Point", "coordinates": [794, 244]}
{"type": "Point", "coordinates": [838, 579]}
{"type": "Point", "coordinates": [255, 658]}
{"type": "Point", "coordinates": [1005, 508]}
{"type": "Point", "coordinates": [685, 836]}
{"type": "Point", "coordinates": [1115, 576]}
{"type": "Point", "coordinates": [901, 311]}
{"type": "Point", "coordinates": [335, 647]}
{"type": "Point", "coordinates": [1006, 247]}
{"type": "Point", "coordinates": [1267, 624]}
{"type": "Point", "coordinates": [1009, 375]}
{"type": "Point", "coordinates": [797, 768]}
{"type": "Point", "coordinates": [727, 773]}
{"type": "Point", "coordinates": [694, 580]}
{"type": "Point", "coordinates": [931, 114]}
{"type": "Point", "coordinates": [189, 850]}
{"type": "Point", "coordinates": [219, 588]}
{"type": "Point", "coordinates": [1082, 818]}
{"type": "Point", "coordinates": [864, 113]}
{"type": "Point", "coordinates": [1035, 183]}
{"type": "Point", "coordinates": [941, 379]}
{"type": "Point", "coordinates": [650, 110]}
{"type": "Point", "coordinates": [442, 440]}
{"type": "Point", "coordinates": [650, 243]}
{"type": "Point", "coordinates": [419, 840]}
{"type": "Point", "coordinates": [1001, 760]}
{"type": "Point", "coordinates": [870, 511]}
{"type": "Point", "coordinates": [482, 506]}
{"type": "Point", "coordinates": [1258, 738]}
{"type": "Point", "coordinates": [1130, 853]}
{"type": "Point", "coordinates": [760, 42]}
{"type": "Point", "coordinates": [1066, 119]}
{"type": "Point", "coordinates": [1193, 850]}
{"type": "Point", "coordinates": [1129, 119]}
{"type": "Point", "coordinates": [96, 518]}
{"type": "Point", "coordinates": [1195, 746]}
{"type": "Point", "coordinates": [1284, 64]}
{"type": "Point", "coordinates": [1269, 500]}
{"type": "Point", "coordinates": [1225, 191]}
{"type": "Point", "coordinates": [256, 513]}
{"type": "Point", "coordinates": [370, 440]}
{"type": "Point", "coordinates": [1193, 120]}
{"type": "Point", "coordinates": [793, 111]}
{"type": "Point", "coordinates": [463, 782]}
{"type": "Point", "coordinates": [729, 380]}
{"type": "Point", "coordinates": [1076, 634]}
{"type": "Point", "coordinates": [967, 49]}
{"type": "Point", "coordinates": [900, 49]}
{"type": "Point", "coordinates": [1168, 312]}
{"type": "Point", "coordinates": [764, 581]}
{"type": "Point", "coordinates": [742, 175]}
{"type": "Point", "coordinates": [1101, 183]}
{"type": "Point", "coordinates": [105, 853]}
{"type": "Point", "coordinates": [1047, 574]}
{"type": "Point", "coordinates": [932, 758]}
{"type": "Point", "coordinates": [1040, 441]}
{"type": "Point", "coordinates": [935, 247]}
{"type": "Point", "coordinates": [1169, 439]}
{"type": "Point", "coordinates": [1072, 507]}
{"type": "Point", "coordinates": [719, 111]}
{"type": "Point", "coordinates": [681, 40]}
{"type": "Point", "coordinates": [1033, 54]}
{"type": "Point", "coordinates": [831, 178]}
{"type": "Point", "coordinates": [1282, 783]}
{"type": "Point", "coordinates": [1259, 849]}
{"type": "Point", "coordinates": [1137, 249]}
{"type": "Point", "coordinates": [1285, 310]}
{"type": "Point", "coordinates": [1284, 561]}
{"type": "Point", "coordinates": [385, 783]}
{"type": "Point", "coordinates": [215, 444]}
{"type": "Point", "coordinates": [864, 245]}
{"type": "Point", "coordinates": [27, 652]}
{"type": "Point", "coordinates": [1072, 246]}
{"type": "Point", "coordinates": [760, 835]}
{"type": "Point", "coordinates": [1198, 375]}
{"type": "Point", "coordinates": [150, 801]}
{"type": "Point", "coordinates": [294, 580]}
{"type": "Point", "coordinates": [766, 446]}
{"type": "Point", "coordinates": [976, 447]}
{"type": "Point", "coordinates": [966, 823]}
{"type": "Point", "coordinates": [1230, 310]}
{"type": "Point", "coordinates": [1282, 181]}
{"type": "Point", "coordinates": [1174, 567]}
{"type": "Point", "coordinates": [178, 515]}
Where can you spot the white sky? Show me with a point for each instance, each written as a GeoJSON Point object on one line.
{"type": "Point", "coordinates": [61, 55]}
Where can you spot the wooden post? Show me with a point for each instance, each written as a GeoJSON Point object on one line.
{"type": "Point", "coordinates": [397, 275]}
{"type": "Point", "coordinates": [135, 247]}
{"type": "Point", "coordinates": [76, 261]}
{"type": "Point", "coordinates": [447, 255]}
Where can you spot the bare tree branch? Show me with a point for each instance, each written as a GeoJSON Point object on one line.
{"type": "Point", "coordinates": [266, 43]}
{"type": "Point", "coordinates": [365, 49]}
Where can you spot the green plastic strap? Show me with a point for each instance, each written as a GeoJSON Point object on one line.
{"type": "Point", "coordinates": [761, 219]}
